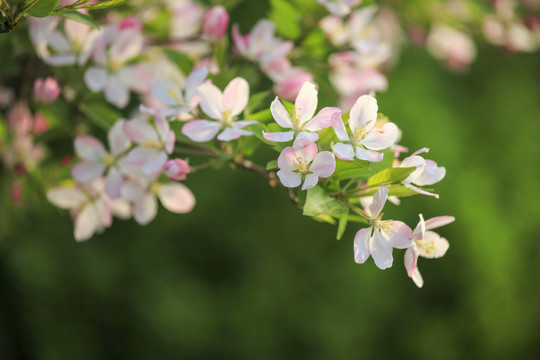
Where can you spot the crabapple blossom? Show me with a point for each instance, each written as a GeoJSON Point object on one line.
{"type": "Point", "coordinates": [46, 90]}
{"type": "Point", "coordinates": [452, 46]}
{"type": "Point", "coordinates": [176, 169]}
{"type": "Point", "coordinates": [426, 173]}
{"type": "Point", "coordinates": [142, 193]}
{"type": "Point", "coordinates": [427, 244]}
{"type": "Point", "coordinates": [302, 160]}
{"type": "Point", "coordinates": [364, 138]}
{"type": "Point", "coordinates": [339, 7]}
{"type": "Point", "coordinates": [154, 143]}
{"type": "Point", "coordinates": [224, 108]}
{"type": "Point", "coordinates": [301, 120]}
{"type": "Point", "coordinates": [215, 23]}
{"type": "Point", "coordinates": [382, 236]}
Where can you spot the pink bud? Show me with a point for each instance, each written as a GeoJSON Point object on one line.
{"type": "Point", "coordinates": [176, 169]}
{"type": "Point", "coordinates": [41, 124]}
{"type": "Point", "coordinates": [215, 23]}
{"type": "Point", "coordinates": [290, 86]}
{"type": "Point", "coordinates": [20, 119]}
{"type": "Point", "coordinates": [46, 90]}
{"type": "Point", "coordinates": [131, 22]}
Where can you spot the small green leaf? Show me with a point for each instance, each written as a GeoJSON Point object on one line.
{"type": "Point", "coordinates": [101, 114]}
{"type": "Point", "coordinates": [104, 4]}
{"type": "Point", "coordinates": [42, 8]}
{"type": "Point", "coordinates": [179, 59]}
{"type": "Point", "coordinates": [342, 225]}
{"type": "Point", "coordinates": [390, 176]}
{"type": "Point", "coordinates": [286, 18]}
{"type": "Point", "coordinates": [78, 17]}
{"type": "Point", "coordinates": [352, 173]}
{"type": "Point", "coordinates": [256, 100]}
{"type": "Point", "coordinates": [325, 218]}
{"type": "Point", "coordinates": [318, 202]}
{"type": "Point", "coordinates": [261, 116]}
{"type": "Point", "coordinates": [272, 164]}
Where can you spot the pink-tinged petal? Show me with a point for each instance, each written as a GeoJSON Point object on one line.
{"type": "Point", "coordinates": [323, 119]}
{"type": "Point", "coordinates": [113, 183]}
{"type": "Point", "coordinates": [432, 174]}
{"type": "Point", "coordinates": [141, 154]}
{"type": "Point", "coordinates": [363, 113]}
{"type": "Point", "coordinates": [161, 89]}
{"type": "Point", "coordinates": [379, 139]}
{"type": "Point", "coordinates": [211, 98]}
{"type": "Point", "coordinates": [420, 151]}
{"type": "Point", "coordinates": [154, 165]}
{"type": "Point", "coordinates": [137, 78]}
{"type": "Point", "coordinates": [439, 221]}
{"type": "Point", "coordinates": [170, 140]}
{"type": "Point", "coordinates": [243, 123]}
{"type": "Point", "coordinates": [381, 250]}
{"type": "Point", "coordinates": [420, 191]}
{"type": "Point", "coordinates": [306, 101]}
{"type": "Point", "coordinates": [86, 171]}
{"type": "Point", "coordinates": [193, 81]}
{"type": "Point", "coordinates": [305, 149]}
{"type": "Point", "coordinates": [66, 197]}
{"type": "Point", "coordinates": [86, 223]}
{"type": "Point", "coordinates": [126, 45]}
{"type": "Point", "coordinates": [145, 208]}
{"type": "Point", "coordinates": [368, 155]}
{"type": "Point", "coordinates": [239, 40]}
{"type": "Point", "coordinates": [278, 136]}
{"type": "Point", "coordinates": [121, 208]}
{"type": "Point", "coordinates": [89, 148]}
{"type": "Point", "coordinates": [176, 169]}
{"type": "Point", "coordinates": [310, 181]}
{"type": "Point", "coordinates": [236, 96]}
{"type": "Point", "coordinates": [233, 133]}
{"type": "Point", "coordinates": [162, 125]}
{"type": "Point", "coordinates": [324, 164]}
{"type": "Point", "coordinates": [201, 130]}
{"type": "Point", "coordinates": [104, 212]}
{"type": "Point", "coordinates": [306, 135]}
{"type": "Point", "coordinates": [287, 159]}
{"type": "Point", "coordinates": [379, 199]}
{"type": "Point", "coordinates": [417, 278]}
{"type": "Point", "coordinates": [344, 151]}
{"type": "Point", "coordinates": [133, 190]}
{"type": "Point", "coordinates": [400, 235]}
{"type": "Point", "coordinates": [140, 131]}
{"type": "Point", "coordinates": [410, 260]}
{"type": "Point", "coordinates": [339, 127]}
{"type": "Point", "coordinates": [280, 114]}
{"type": "Point", "coordinates": [289, 179]}
{"type": "Point", "coordinates": [361, 245]}
{"type": "Point", "coordinates": [95, 78]}
{"type": "Point", "coordinates": [278, 51]}
{"type": "Point", "coordinates": [176, 198]}
{"type": "Point", "coordinates": [418, 162]}
{"type": "Point", "coordinates": [60, 60]}
{"type": "Point", "coordinates": [420, 229]}
{"type": "Point", "coordinates": [432, 246]}
{"type": "Point", "coordinates": [116, 92]}
{"type": "Point", "coordinates": [118, 140]}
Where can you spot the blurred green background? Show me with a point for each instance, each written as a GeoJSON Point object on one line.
{"type": "Point", "coordinates": [246, 276]}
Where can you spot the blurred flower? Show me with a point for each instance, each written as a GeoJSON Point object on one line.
{"type": "Point", "coordinates": [382, 236]}
{"type": "Point", "coordinates": [339, 7]}
{"type": "Point", "coordinates": [46, 90]}
{"type": "Point", "coordinates": [302, 160]}
{"type": "Point", "coordinates": [176, 169]}
{"type": "Point", "coordinates": [215, 23]}
{"type": "Point", "coordinates": [454, 47]}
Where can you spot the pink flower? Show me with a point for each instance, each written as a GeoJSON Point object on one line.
{"type": "Point", "coordinates": [46, 90]}
{"type": "Point", "coordinates": [427, 244]}
{"type": "Point", "coordinates": [154, 142]}
{"type": "Point", "coordinates": [20, 119]}
{"type": "Point", "coordinates": [289, 87]}
{"type": "Point", "coordinates": [364, 136]}
{"type": "Point", "coordinates": [176, 169]}
{"type": "Point", "coordinates": [427, 172]}
{"type": "Point", "coordinates": [303, 161]}
{"type": "Point", "coordinates": [215, 23]}
{"type": "Point", "coordinates": [301, 121]}
{"type": "Point", "coordinates": [451, 45]}
{"type": "Point", "coordinates": [382, 236]}
{"type": "Point", "coordinates": [223, 107]}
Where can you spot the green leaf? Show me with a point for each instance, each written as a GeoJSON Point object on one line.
{"type": "Point", "coordinates": [78, 17]}
{"type": "Point", "coordinates": [179, 59]}
{"type": "Point", "coordinates": [42, 8]}
{"type": "Point", "coordinates": [318, 202]}
{"type": "Point", "coordinates": [248, 145]}
{"type": "Point", "coordinates": [390, 176]}
{"type": "Point", "coordinates": [342, 225]}
{"type": "Point", "coordinates": [256, 101]}
{"type": "Point", "coordinates": [272, 164]}
{"type": "Point", "coordinates": [386, 162]}
{"type": "Point", "coordinates": [352, 173]}
{"type": "Point", "coordinates": [325, 218]}
{"type": "Point", "coordinates": [104, 4]}
{"type": "Point", "coordinates": [261, 116]}
{"type": "Point", "coordinates": [286, 18]}
{"type": "Point", "coordinates": [101, 114]}
{"type": "Point", "coordinates": [357, 219]}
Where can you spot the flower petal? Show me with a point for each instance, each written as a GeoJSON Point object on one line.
{"type": "Point", "coordinates": [432, 246]}
{"type": "Point", "coordinates": [379, 139]}
{"type": "Point", "coordinates": [368, 155]}
{"type": "Point", "coordinates": [289, 179]}
{"type": "Point", "coordinates": [287, 159]}
{"type": "Point", "coordinates": [145, 208]}
{"type": "Point", "coordinates": [400, 235]}
{"type": "Point", "coordinates": [236, 96]}
{"type": "Point", "coordinates": [420, 191]}
{"type": "Point", "coordinates": [153, 165]}
{"type": "Point", "coordinates": [324, 164]}
{"type": "Point", "coordinates": [95, 78]}
{"type": "Point", "coordinates": [439, 221]}
{"type": "Point", "coordinates": [323, 119]}
{"type": "Point", "coordinates": [432, 174]}
{"type": "Point", "coordinates": [410, 260]}
{"type": "Point", "coordinates": [194, 79]}
{"type": "Point", "coordinates": [420, 229]}
{"type": "Point", "coordinates": [118, 140]}
{"type": "Point", "coordinates": [361, 245]}
{"type": "Point", "coordinates": [306, 101]}
{"type": "Point", "coordinates": [113, 183]}
{"type": "Point", "coordinates": [344, 151]}
{"type": "Point", "coordinates": [233, 133]}
{"type": "Point", "coordinates": [305, 149]}
{"type": "Point", "coordinates": [66, 197]}
{"type": "Point", "coordinates": [211, 98]}
{"type": "Point", "coordinates": [140, 131]}
{"type": "Point", "coordinates": [363, 113]}
{"type": "Point", "coordinates": [339, 127]}
{"type": "Point", "coordinates": [201, 130]}
{"type": "Point", "coordinates": [86, 223]}
{"type": "Point", "coordinates": [86, 171]}
{"type": "Point", "coordinates": [310, 181]}
{"type": "Point", "coordinates": [379, 199]}
{"type": "Point", "coordinates": [280, 114]}
{"type": "Point", "coordinates": [381, 250]}
{"type": "Point", "coordinates": [278, 136]}
{"type": "Point", "coordinates": [176, 198]}
{"type": "Point", "coordinates": [116, 92]}
{"type": "Point", "coordinates": [89, 148]}
{"type": "Point", "coordinates": [417, 278]}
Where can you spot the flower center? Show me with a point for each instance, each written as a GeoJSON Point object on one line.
{"type": "Point", "coordinates": [176, 96]}
{"type": "Point", "coordinates": [228, 119]}
{"type": "Point", "coordinates": [295, 119]}
{"type": "Point", "coordinates": [427, 246]}
{"type": "Point", "coordinates": [383, 225]}
{"type": "Point", "coordinates": [152, 144]}
{"type": "Point", "coordinates": [359, 134]}
{"type": "Point", "coordinates": [109, 159]}
{"type": "Point", "coordinates": [301, 165]}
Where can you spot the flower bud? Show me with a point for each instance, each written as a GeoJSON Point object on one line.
{"type": "Point", "coordinates": [176, 169]}
{"type": "Point", "coordinates": [215, 23]}
{"type": "Point", "coordinates": [290, 86]}
{"type": "Point", "coordinates": [46, 90]}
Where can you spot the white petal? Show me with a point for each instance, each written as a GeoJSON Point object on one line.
{"type": "Point", "coordinates": [310, 181]}
{"type": "Point", "coordinates": [163, 89]}
{"type": "Point", "coordinates": [126, 45]}
{"type": "Point", "coordinates": [86, 223]}
{"type": "Point", "coordinates": [280, 114]}
{"type": "Point", "coordinates": [420, 191]}
{"type": "Point", "coordinates": [368, 155]}
{"type": "Point", "coordinates": [410, 260]}
{"type": "Point", "coordinates": [400, 235]}
{"type": "Point", "coordinates": [381, 250]}
{"type": "Point", "coordinates": [439, 221]}
{"type": "Point", "coordinates": [95, 78]}
{"type": "Point", "coordinates": [311, 136]}
{"type": "Point", "coordinates": [201, 130]}
{"type": "Point", "coordinates": [287, 159]}
{"type": "Point", "coordinates": [363, 113]}
{"type": "Point", "coordinates": [306, 101]}
{"type": "Point", "coordinates": [86, 171]}
{"type": "Point", "coordinates": [113, 183]}
{"type": "Point", "coordinates": [339, 128]}
{"type": "Point", "coordinates": [118, 140]}
{"type": "Point", "coordinates": [420, 229]}
{"type": "Point", "coordinates": [323, 119]}
{"type": "Point", "coordinates": [133, 190]}
{"type": "Point", "coordinates": [176, 198]}
{"type": "Point", "coordinates": [233, 133]}
{"type": "Point", "coordinates": [432, 174]}
{"type": "Point", "coordinates": [140, 131]}
{"type": "Point", "coordinates": [344, 151]}
{"type": "Point", "coordinates": [379, 199]}
{"type": "Point", "coordinates": [324, 164]}
{"type": "Point", "coordinates": [145, 209]}
{"type": "Point", "coordinates": [66, 197]}
{"type": "Point", "coordinates": [379, 139]}
{"type": "Point", "coordinates": [116, 92]}
{"type": "Point", "coordinates": [278, 136]}
{"type": "Point", "coordinates": [305, 149]}
{"type": "Point", "coordinates": [361, 245]}
{"type": "Point", "coordinates": [417, 278]}
{"type": "Point", "coordinates": [89, 148]}
{"type": "Point", "coordinates": [236, 96]}
{"type": "Point", "coordinates": [140, 155]}
{"type": "Point", "coordinates": [289, 179]}
{"type": "Point", "coordinates": [432, 246]}
{"type": "Point", "coordinates": [210, 98]}
{"type": "Point", "coordinates": [154, 165]}
{"type": "Point", "coordinates": [193, 81]}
